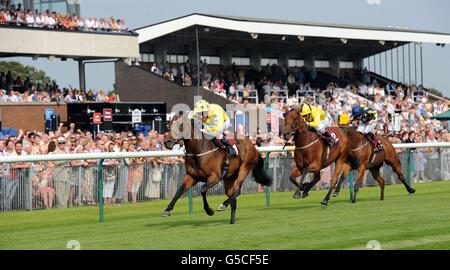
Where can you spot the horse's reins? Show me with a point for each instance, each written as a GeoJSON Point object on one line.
{"type": "Point", "coordinates": [306, 146]}
{"type": "Point", "coordinates": [201, 154]}
{"type": "Point", "coordinates": [302, 147]}
{"type": "Point", "coordinates": [356, 149]}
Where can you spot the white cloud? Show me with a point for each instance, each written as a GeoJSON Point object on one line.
{"type": "Point", "coordinates": [374, 2]}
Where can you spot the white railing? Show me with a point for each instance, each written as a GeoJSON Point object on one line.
{"type": "Point", "coordinates": [280, 95]}
{"type": "Point", "coordinates": [239, 98]}
{"type": "Point", "coordinates": [120, 155]}
{"type": "Point", "coordinates": [302, 93]}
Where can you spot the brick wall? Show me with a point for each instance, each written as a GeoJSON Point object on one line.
{"type": "Point", "coordinates": [29, 116]}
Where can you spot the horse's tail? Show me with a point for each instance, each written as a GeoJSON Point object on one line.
{"type": "Point", "coordinates": [354, 161]}
{"type": "Point", "coordinates": [260, 174]}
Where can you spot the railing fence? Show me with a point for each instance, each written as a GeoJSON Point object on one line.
{"type": "Point", "coordinates": [129, 177]}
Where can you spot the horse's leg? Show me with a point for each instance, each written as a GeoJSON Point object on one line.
{"type": "Point", "coordinates": [312, 167]}
{"type": "Point", "coordinates": [337, 171]}
{"type": "Point", "coordinates": [294, 174]}
{"type": "Point", "coordinates": [188, 182]}
{"type": "Point", "coordinates": [233, 210]}
{"type": "Point", "coordinates": [235, 189]}
{"type": "Point", "coordinates": [208, 209]}
{"type": "Point", "coordinates": [229, 184]}
{"type": "Point", "coordinates": [304, 173]}
{"type": "Point", "coordinates": [359, 181]}
{"type": "Point", "coordinates": [345, 173]}
{"type": "Point", "coordinates": [396, 166]}
{"type": "Point", "coordinates": [212, 180]}
{"type": "Point", "coordinates": [375, 171]}
{"type": "Point", "coordinates": [308, 186]}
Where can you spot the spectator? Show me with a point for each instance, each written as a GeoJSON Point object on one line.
{"type": "Point", "coordinates": [60, 174]}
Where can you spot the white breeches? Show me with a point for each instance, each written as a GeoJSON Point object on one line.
{"type": "Point", "coordinates": [366, 128]}
{"type": "Point", "coordinates": [323, 125]}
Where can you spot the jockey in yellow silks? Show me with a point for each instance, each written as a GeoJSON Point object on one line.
{"type": "Point", "coordinates": [215, 121]}
{"type": "Point", "coordinates": [317, 119]}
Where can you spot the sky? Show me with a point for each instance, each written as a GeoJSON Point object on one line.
{"type": "Point", "coordinates": [431, 15]}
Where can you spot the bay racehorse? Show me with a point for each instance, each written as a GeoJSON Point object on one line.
{"type": "Point", "coordinates": [312, 154]}
{"type": "Point", "coordinates": [363, 150]}
{"type": "Point", "coordinates": [205, 163]}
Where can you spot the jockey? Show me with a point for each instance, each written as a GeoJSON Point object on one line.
{"type": "Point", "coordinates": [368, 120]}
{"type": "Point", "coordinates": [215, 121]}
{"type": "Point", "coordinates": [317, 119]}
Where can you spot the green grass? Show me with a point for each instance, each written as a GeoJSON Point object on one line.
{"type": "Point", "coordinates": [402, 221]}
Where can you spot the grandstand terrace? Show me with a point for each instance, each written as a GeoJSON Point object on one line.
{"type": "Point", "coordinates": [327, 53]}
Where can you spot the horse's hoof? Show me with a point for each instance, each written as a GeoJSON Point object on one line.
{"type": "Point", "coordinates": [335, 194]}
{"type": "Point", "coordinates": [221, 207]}
{"type": "Point", "coordinates": [324, 202]}
{"type": "Point", "coordinates": [411, 190]}
{"type": "Point", "coordinates": [297, 194]}
{"type": "Point", "coordinates": [304, 195]}
{"type": "Point", "coordinates": [381, 199]}
{"type": "Point", "coordinates": [166, 214]}
{"type": "Point", "coordinates": [209, 211]}
{"type": "Point", "coordinates": [353, 200]}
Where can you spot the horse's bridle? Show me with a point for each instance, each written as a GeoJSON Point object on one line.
{"type": "Point", "coordinates": [186, 154]}
{"type": "Point", "coordinates": [295, 127]}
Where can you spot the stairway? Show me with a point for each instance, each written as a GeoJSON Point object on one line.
{"type": "Point", "coordinates": [135, 84]}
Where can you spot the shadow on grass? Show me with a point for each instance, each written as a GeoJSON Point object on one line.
{"type": "Point", "coordinates": [170, 222]}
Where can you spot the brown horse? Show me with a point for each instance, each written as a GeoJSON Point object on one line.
{"type": "Point", "coordinates": [205, 162]}
{"type": "Point", "coordinates": [312, 154]}
{"type": "Point", "coordinates": [363, 150]}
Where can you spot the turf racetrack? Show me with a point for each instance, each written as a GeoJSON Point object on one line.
{"type": "Point", "coordinates": [402, 221]}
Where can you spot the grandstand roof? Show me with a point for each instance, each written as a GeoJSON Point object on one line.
{"type": "Point", "coordinates": [290, 28]}
{"type": "Point", "coordinates": [42, 42]}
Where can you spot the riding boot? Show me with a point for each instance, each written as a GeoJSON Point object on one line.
{"type": "Point", "coordinates": [229, 147]}
{"type": "Point", "coordinates": [217, 143]}
{"type": "Point", "coordinates": [376, 145]}
{"type": "Point", "coordinates": [328, 139]}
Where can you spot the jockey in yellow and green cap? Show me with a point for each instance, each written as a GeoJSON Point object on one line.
{"type": "Point", "coordinates": [317, 119]}
{"type": "Point", "coordinates": [215, 121]}
{"type": "Point", "coordinates": [367, 122]}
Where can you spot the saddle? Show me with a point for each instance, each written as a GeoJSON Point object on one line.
{"type": "Point", "coordinates": [225, 150]}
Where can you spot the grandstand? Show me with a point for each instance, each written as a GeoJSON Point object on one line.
{"type": "Point", "coordinates": [224, 59]}
{"type": "Point", "coordinates": [322, 53]}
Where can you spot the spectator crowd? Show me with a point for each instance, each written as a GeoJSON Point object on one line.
{"type": "Point", "coordinates": [402, 108]}
{"type": "Point", "coordinates": [13, 15]}
{"type": "Point", "coordinates": [15, 90]}
{"type": "Point", "coordinates": [66, 183]}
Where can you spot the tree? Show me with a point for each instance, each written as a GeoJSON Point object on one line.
{"type": "Point", "coordinates": [23, 71]}
{"type": "Point", "coordinates": [435, 92]}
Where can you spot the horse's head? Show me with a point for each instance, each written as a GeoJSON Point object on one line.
{"type": "Point", "coordinates": [293, 123]}
{"type": "Point", "coordinates": [179, 129]}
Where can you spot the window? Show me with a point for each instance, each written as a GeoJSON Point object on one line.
{"type": "Point", "coordinates": [270, 61]}
{"type": "Point", "coordinates": [241, 61]}
{"type": "Point", "coordinates": [296, 63]}
{"type": "Point", "coordinates": [176, 58]}
{"type": "Point", "coordinates": [212, 60]}
{"type": "Point", "coordinates": [322, 64]}
{"type": "Point", "coordinates": [345, 64]}
{"type": "Point", "coordinates": [147, 57]}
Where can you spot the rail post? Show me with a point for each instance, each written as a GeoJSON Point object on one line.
{"type": "Point", "coordinates": [267, 188]}
{"type": "Point", "coordinates": [100, 190]}
{"type": "Point", "coordinates": [408, 166]}
{"type": "Point", "coordinates": [191, 205]}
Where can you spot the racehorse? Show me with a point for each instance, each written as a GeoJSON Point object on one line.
{"type": "Point", "coordinates": [312, 154]}
{"type": "Point", "coordinates": [205, 162]}
{"type": "Point", "coordinates": [363, 150]}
